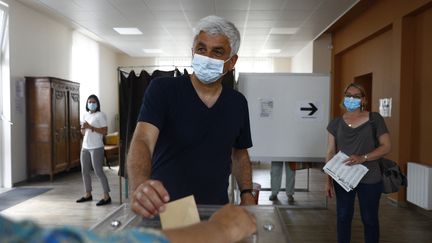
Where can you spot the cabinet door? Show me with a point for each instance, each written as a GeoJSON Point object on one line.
{"type": "Point", "coordinates": [39, 127]}
{"type": "Point", "coordinates": [74, 131]}
{"type": "Point", "coordinates": [60, 114]}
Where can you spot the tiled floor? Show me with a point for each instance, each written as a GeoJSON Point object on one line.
{"type": "Point", "coordinates": [307, 220]}
{"type": "Point", "coordinates": [303, 197]}
{"type": "Point", "coordinates": [58, 206]}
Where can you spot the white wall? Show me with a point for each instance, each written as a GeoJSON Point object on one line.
{"type": "Point", "coordinates": [302, 62]}
{"type": "Point", "coordinates": [315, 57]}
{"type": "Point", "coordinates": [41, 46]}
{"type": "Point", "coordinates": [282, 65]}
{"type": "Point", "coordinates": [38, 47]}
{"type": "Point", "coordinates": [126, 60]}
{"type": "Point", "coordinates": [108, 88]}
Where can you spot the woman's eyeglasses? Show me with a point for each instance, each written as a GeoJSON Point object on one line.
{"type": "Point", "coordinates": [356, 96]}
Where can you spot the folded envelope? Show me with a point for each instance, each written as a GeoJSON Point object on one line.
{"type": "Point", "coordinates": [179, 213]}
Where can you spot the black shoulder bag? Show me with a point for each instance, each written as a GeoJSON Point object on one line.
{"type": "Point", "coordinates": [392, 177]}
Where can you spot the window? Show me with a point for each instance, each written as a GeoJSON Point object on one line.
{"type": "Point", "coordinates": [254, 65]}
{"type": "Point", "coordinates": [85, 67]}
{"type": "Point", "coordinates": [5, 111]}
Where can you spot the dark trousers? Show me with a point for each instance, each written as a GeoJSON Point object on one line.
{"type": "Point", "coordinates": [369, 196]}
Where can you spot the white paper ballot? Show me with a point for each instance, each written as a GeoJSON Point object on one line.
{"type": "Point", "coordinates": [347, 176]}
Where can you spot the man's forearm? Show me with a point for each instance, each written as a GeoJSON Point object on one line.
{"type": "Point", "coordinates": [242, 169]}
{"type": "Point", "coordinates": [138, 163]}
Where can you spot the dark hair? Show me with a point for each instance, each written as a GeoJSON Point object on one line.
{"type": "Point", "coordinates": [97, 102]}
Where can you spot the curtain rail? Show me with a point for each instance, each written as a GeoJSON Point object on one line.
{"type": "Point", "coordinates": [151, 66]}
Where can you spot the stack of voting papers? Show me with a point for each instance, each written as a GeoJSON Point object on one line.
{"type": "Point", "coordinates": [348, 176]}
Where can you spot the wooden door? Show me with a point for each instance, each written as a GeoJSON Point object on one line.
{"type": "Point", "coordinates": [74, 127]}
{"type": "Point", "coordinates": [366, 82]}
{"type": "Point", "coordinates": [60, 127]}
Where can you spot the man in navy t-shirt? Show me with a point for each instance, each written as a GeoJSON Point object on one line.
{"type": "Point", "coordinates": [190, 128]}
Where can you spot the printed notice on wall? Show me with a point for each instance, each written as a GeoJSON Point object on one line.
{"type": "Point", "coordinates": [385, 106]}
{"type": "Point", "coordinates": [19, 96]}
{"type": "Point", "coordinates": [266, 107]}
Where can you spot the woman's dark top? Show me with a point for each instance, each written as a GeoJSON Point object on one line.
{"type": "Point", "coordinates": [359, 141]}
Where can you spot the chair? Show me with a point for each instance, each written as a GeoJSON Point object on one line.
{"type": "Point", "coordinates": [111, 148]}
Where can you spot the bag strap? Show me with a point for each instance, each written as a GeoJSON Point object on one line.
{"type": "Point", "coordinates": [374, 132]}
{"type": "Point", "coordinates": [374, 129]}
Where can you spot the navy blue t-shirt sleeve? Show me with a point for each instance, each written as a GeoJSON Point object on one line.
{"type": "Point", "coordinates": [244, 139]}
{"type": "Point", "coordinates": [155, 103]}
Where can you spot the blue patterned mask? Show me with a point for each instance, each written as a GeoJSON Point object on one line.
{"type": "Point", "coordinates": [92, 106]}
{"type": "Point", "coordinates": [352, 104]}
{"type": "Point", "coordinates": [206, 69]}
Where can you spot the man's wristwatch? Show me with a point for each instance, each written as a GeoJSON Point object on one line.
{"type": "Point", "coordinates": [246, 191]}
{"type": "Point", "coordinates": [365, 157]}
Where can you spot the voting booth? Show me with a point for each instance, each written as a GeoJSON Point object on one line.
{"type": "Point", "coordinates": [289, 113]}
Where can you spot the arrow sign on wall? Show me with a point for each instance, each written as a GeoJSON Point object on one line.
{"type": "Point", "coordinates": [312, 109]}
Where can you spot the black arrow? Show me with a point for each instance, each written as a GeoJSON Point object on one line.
{"type": "Point", "coordinates": [313, 109]}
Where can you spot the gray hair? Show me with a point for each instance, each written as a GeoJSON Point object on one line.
{"type": "Point", "coordinates": [214, 25]}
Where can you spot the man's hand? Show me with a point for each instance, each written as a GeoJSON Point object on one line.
{"type": "Point", "coordinates": [247, 199]}
{"type": "Point", "coordinates": [149, 198]}
{"type": "Point", "coordinates": [236, 222]}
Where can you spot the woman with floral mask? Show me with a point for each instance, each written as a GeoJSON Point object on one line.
{"type": "Point", "coordinates": [94, 128]}
{"type": "Point", "coordinates": [353, 134]}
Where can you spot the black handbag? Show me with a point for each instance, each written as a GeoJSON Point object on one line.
{"type": "Point", "coordinates": [392, 177]}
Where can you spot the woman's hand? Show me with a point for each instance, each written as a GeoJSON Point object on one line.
{"type": "Point", "coordinates": [355, 159]}
{"type": "Point", "coordinates": [329, 189]}
{"type": "Point", "coordinates": [86, 125]}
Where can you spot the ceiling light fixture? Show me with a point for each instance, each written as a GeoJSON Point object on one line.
{"type": "Point", "coordinates": [271, 51]}
{"type": "Point", "coordinates": [283, 31]}
{"type": "Point", "coordinates": [128, 31]}
{"type": "Point", "coordinates": [152, 51]}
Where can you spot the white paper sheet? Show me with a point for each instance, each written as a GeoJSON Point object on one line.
{"type": "Point", "coordinates": [346, 176]}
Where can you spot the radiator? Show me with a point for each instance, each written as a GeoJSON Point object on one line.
{"type": "Point", "coordinates": [419, 191]}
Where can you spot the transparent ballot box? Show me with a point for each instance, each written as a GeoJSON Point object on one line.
{"type": "Point", "coordinates": [270, 227]}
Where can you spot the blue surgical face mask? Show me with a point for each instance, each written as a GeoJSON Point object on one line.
{"type": "Point", "coordinates": [206, 69]}
{"type": "Point", "coordinates": [352, 104]}
{"type": "Point", "coordinates": [92, 106]}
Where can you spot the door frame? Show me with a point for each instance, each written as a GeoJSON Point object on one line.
{"type": "Point", "coordinates": [365, 80]}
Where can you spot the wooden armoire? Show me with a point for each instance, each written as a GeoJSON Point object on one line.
{"type": "Point", "coordinates": [53, 125]}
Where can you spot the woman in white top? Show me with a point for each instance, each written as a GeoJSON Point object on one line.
{"type": "Point", "coordinates": [94, 128]}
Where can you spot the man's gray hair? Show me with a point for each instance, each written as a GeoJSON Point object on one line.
{"type": "Point", "coordinates": [214, 25]}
